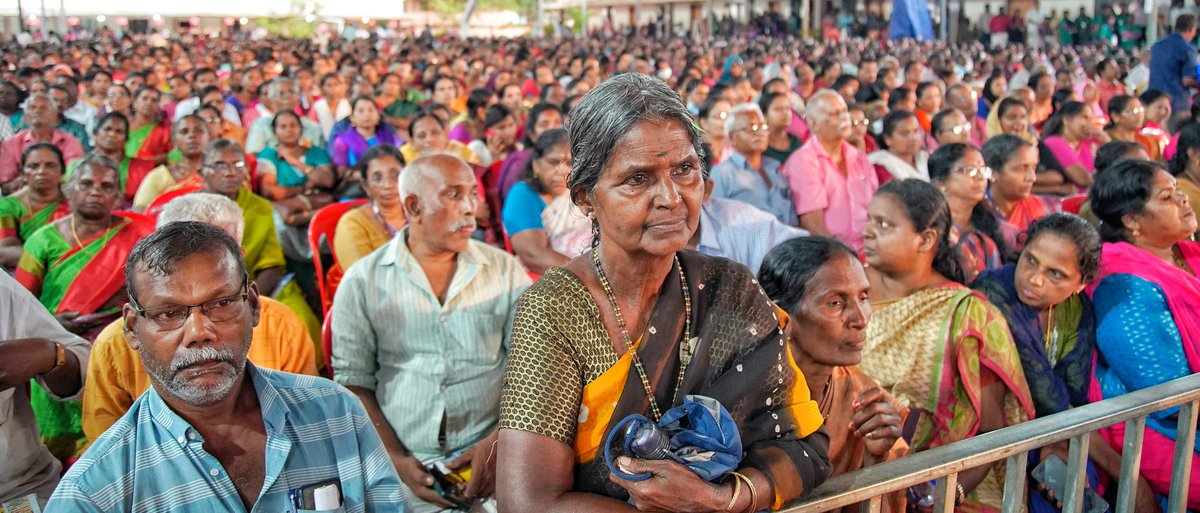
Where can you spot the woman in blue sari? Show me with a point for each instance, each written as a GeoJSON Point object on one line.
{"type": "Point", "coordinates": [1054, 328]}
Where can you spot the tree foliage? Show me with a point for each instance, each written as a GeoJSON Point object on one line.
{"type": "Point", "coordinates": [295, 22]}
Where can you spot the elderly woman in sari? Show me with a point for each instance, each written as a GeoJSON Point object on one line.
{"type": "Point", "coordinates": [962, 175]}
{"type": "Point", "coordinates": [822, 285]}
{"type": "Point", "coordinates": [1054, 327]}
{"type": "Point", "coordinates": [1146, 297]}
{"type": "Point", "coordinates": [637, 324]}
{"type": "Point", "coordinates": [922, 314]}
{"type": "Point", "coordinates": [35, 205]}
{"type": "Point", "coordinates": [544, 225]}
{"type": "Point", "coordinates": [76, 268]}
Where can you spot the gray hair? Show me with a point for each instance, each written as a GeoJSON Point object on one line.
{"type": "Point", "coordinates": [205, 207]}
{"type": "Point", "coordinates": [817, 103]}
{"type": "Point", "coordinates": [609, 112]}
{"type": "Point", "coordinates": [91, 162]}
{"type": "Point", "coordinates": [275, 87]}
{"type": "Point", "coordinates": [744, 108]}
{"type": "Point", "coordinates": [44, 96]}
{"type": "Point", "coordinates": [219, 146]}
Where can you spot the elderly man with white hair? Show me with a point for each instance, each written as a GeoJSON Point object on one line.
{"type": "Point", "coordinates": [747, 175]}
{"type": "Point", "coordinates": [832, 179]}
{"type": "Point", "coordinates": [281, 95]}
{"type": "Point", "coordinates": [41, 114]}
{"type": "Point", "coordinates": [115, 374]}
{"type": "Point", "coordinates": [421, 330]}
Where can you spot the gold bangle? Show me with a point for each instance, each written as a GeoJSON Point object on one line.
{"type": "Point", "coordinates": [60, 357]}
{"type": "Point", "coordinates": [737, 492]}
{"type": "Point", "coordinates": [753, 492]}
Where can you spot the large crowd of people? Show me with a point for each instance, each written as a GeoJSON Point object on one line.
{"type": "Point", "coordinates": [854, 251]}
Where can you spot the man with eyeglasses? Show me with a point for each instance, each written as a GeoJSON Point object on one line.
{"type": "Point", "coordinates": [216, 432]}
{"type": "Point", "coordinates": [832, 180]}
{"type": "Point", "coordinates": [115, 374]}
{"type": "Point", "coordinates": [747, 175]}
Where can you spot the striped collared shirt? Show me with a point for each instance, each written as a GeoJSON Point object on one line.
{"type": "Point", "coordinates": [153, 460]}
{"type": "Point", "coordinates": [435, 366]}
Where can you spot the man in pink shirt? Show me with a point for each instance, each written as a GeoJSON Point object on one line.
{"type": "Point", "coordinates": [41, 115]}
{"type": "Point", "coordinates": [831, 181]}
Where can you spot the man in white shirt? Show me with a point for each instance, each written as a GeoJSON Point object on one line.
{"type": "Point", "coordinates": [35, 345]}
{"type": "Point", "coordinates": [1138, 78]}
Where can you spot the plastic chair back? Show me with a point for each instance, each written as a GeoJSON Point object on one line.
{"type": "Point", "coordinates": [322, 226]}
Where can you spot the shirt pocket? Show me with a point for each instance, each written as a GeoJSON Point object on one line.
{"type": "Point", "coordinates": [478, 337]}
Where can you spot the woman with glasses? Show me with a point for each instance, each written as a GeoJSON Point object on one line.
{"type": "Point", "coordinates": [76, 267]}
{"type": "Point", "coordinates": [371, 225]}
{"type": "Point", "coordinates": [1127, 117]}
{"type": "Point", "coordinates": [934, 344]}
{"type": "Point", "coordinates": [959, 171]}
{"type": "Point", "coordinates": [900, 156]}
{"type": "Point", "coordinates": [949, 126]}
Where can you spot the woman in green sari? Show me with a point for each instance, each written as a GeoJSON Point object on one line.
{"type": "Point", "coordinates": [92, 241]}
{"type": "Point", "coordinates": [149, 136]}
{"type": "Point", "coordinates": [39, 202]}
{"type": "Point", "coordinates": [939, 347]}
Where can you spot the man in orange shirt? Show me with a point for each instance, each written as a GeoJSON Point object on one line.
{"type": "Point", "coordinates": [115, 375]}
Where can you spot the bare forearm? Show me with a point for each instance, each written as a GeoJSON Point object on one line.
{"type": "Point", "coordinates": [814, 222]}
{"type": "Point", "coordinates": [542, 259]}
{"type": "Point", "coordinates": [10, 253]}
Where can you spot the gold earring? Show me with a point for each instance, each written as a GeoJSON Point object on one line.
{"type": "Point", "coordinates": [1136, 232]}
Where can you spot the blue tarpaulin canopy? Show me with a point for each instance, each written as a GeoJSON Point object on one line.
{"type": "Point", "coordinates": [910, 19]}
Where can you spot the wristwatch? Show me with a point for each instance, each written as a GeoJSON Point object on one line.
{"type": "Point", "coordinates": [60, 357]}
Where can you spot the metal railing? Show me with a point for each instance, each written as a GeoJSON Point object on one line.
{"type": "Point", "coordinates": [944, 463]}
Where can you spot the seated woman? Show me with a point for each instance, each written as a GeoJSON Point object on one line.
{"type": "Point", "coordinates": [499, 136]}
{"type": "Point", "coordinates": [111, 134]}
{"type": "Point", "coordinates": [1158, 114]}
{"type": "Point", "coordinates": [1054, 327]}
{"type": "Point", "coordinates": [365, 228]}
{"type": "Point", "coordinates": [777, 108]}
{"type": "Point", "coordinates": [76, 267]}
{"type": "Point", "coordinates": [190, 136]}
{"type": "Point", "coordinates": [1014, 163]}
{"type": "Point", "coordinates": [638, 324]}
{"type": "Point", "coordinates": [1146, 298]}
{"type": "Point", "coordinates": [922, 312]}
{"type": "Point", "coordinates": [292, 176]}
{"type": "Point", "coordinates": [1071, 135]}
{"type": "Point", "coordinates": [542, 117]}
{"type": "Point", "coordinates": [35, 205]}
{"type": "Point", "coordinates": [149, 133]}
{"type": "Point", "coordinates": [1185, 164]}
{"type": "Point", "coordinates": [949, 126]}
{"type": "Point", "coordinates": [545, 227]}
{"type": "Point", "coordinates": [427, 135]}
{"type": "Point", "coordinates": [1126, 117]}
{"type": "Point", "coordinates": [367, 131]}
{"type": "Point", "coordinates": [468, 126]}
{"type": "Point", "coordinates": [1012, 118]}
{"type": "Point", "coordinates": [822, 286]}
{"type": "Point", "coordinates": [900, 155]}
{"type": "Point", "coordinates": [961, 174]}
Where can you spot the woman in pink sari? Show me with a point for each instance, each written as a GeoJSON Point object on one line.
{"type": "Point", "coordinates": [1146, 297]}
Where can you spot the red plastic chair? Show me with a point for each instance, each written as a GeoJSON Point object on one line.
{"type": "Point", "coordinates": [327, 343]}
{"type": "Point", "coordinates": [1074, 204]}
{"type": "Point", "coordinates": [322, 225]}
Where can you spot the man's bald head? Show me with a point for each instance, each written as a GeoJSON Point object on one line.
{"type": "Point", "coordinates": [440, 195]}
{"type": "Point", "coordinates": [425, 172]}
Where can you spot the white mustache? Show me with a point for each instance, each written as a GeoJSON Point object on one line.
{"type": "Point", "coordinates": [193, 356]}
{"type": "Point", "coordinates": [470, 223]}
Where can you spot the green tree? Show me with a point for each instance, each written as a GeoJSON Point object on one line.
{"type": "Point", "coordinates": [295, 23]}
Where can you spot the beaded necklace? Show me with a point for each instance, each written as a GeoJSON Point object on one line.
{"type": "Point", "coordinates": [685, 349]}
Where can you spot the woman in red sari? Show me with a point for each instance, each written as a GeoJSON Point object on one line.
{"type": "Point", "coordinates": [149, 137]}
{"type": "Point", "coordinates": [76, 268]}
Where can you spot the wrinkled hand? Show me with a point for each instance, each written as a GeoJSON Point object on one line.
{"type": "Point", "coordinates": [67, 320]}
{"type": "Point", "coordinates": [876, 420]}
{"type": "Point", "coordinates": [672, 488]}
{"type": "Point", "coordinates": [23, 360]}
{"type": "Point", "coordinates": [413, 473]}
{"type": "Point", "coordinates": [481, 458]}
